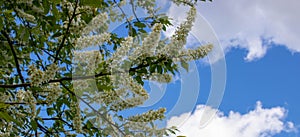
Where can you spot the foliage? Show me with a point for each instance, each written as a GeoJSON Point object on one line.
{"type": "Point", "coordinates": [46, 75]}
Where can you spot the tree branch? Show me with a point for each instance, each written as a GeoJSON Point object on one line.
{"type": "Point", "coordinates": [67, 32]}
{"type": "Point", "coordinates": [81, 77]}
{"type": "Point", "coordinates": [10, 43]}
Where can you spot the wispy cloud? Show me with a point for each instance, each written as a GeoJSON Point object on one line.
{"type": "Point", "coordinates": [260, 122]}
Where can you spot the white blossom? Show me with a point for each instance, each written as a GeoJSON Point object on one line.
{"type": "Point", "coordinates": [149, 44]}
{"type": "Point", "coordinates": [95, 40]}
{"type": "Point", "coordinates": [100, 21]}
{"type": "Point", "coordinates": [25, 15]}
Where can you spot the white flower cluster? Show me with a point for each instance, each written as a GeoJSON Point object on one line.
{"type": "Point", "coordinates": [37, 76]}
{"type": "Point", "coordinates": [117, 98]}
{"type": "Point", "coordinates": [127, 103]}
{"type": "Point", "coordinates": [121, 54]}
{"type": "Point", "coordinates": [80, 85]}
{"type": "Point", "coordinates": [6, 128]}
{"type": "Point", "coordinates": [37, 9]}
{"type": "Point", "coordinates": [137, 126]}
{"type": "Point", "coordinates": [29, 2]}
{"type": "Point", "coordinates": [95, 40]}
{"type": "Point", "coordinates": [54, 91]}
{"type": "Point", "coordinates": [184, 2]}
{"type": "Point", "coordinates": [50, 72]}
{"type": "Point", "coordinates": [178, 39]}
{"type": "Point", "coordinates": [20, 95]}
{"type": "Point", "coordinates": [193, 54]}
{"type": "Point", "coordinates": [142, 129]}
{"type": "Point", "coordinates": [149, 44]}
{"type": "Point", "coordinates": [110, 96]}
{"type": "Point", "coordinates": [77, 116]}
{"type": "Point", "coordinates": [133, 86]}
{"type": "Point", "coordinates": [162, 78]}
{"type": "Point", "coordinates": [86, 61]}
{"type": "Point", "coordinates": [149, 116]}
{"type": "Point", "coordinates": [122, 3]}
{"type": "Point", "coordinates": [28, 98]}
{"type": "Point", "coordinates": [26, 16]}
{"type": "Point", "coordinates": [148, 5]}
{"type": "Point", "coordinates": [6, 59]}
{"type": "Point", "coordinates": [69, 6]}
{"type": "Point", "coordinates": [100, 21]}
{"type": "Point", "coordinates": [4, 97]}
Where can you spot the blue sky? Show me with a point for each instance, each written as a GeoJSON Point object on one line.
{"type": "Point", "coordinates": [273, 80]}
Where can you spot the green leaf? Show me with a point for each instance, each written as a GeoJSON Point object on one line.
{"type": "Point", "coordinates": [57, 34]}
{"type": "Point", "coordinates": [139, 80]}
{"type": "Point", "coordinates": [139, 24]}
{"type": "Point", "coordinates": [8, 118]}
{"type": "Point", "coordinates": [50, 111]}
{"type": "Point", "coordinates": [33, 124]}
{"type": "Point", "coordinates": [3, 105]}
{"type": "Point", "coordinates": [38, 110]}
{"type": "Point", "coordinates": [159, 69]}
{"type": "Point", "coordinates": [93, 3]}
{"type": "Point", "coordinates": [185, 65]}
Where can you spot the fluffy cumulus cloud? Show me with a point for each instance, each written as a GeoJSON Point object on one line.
{"type": "Point", "coordinates": [260, 122]}
{"type": "Point", "coordinates": [253, 25]}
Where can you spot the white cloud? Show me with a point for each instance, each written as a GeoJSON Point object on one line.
{"type": "Point", "coordinates": [260, 122]}
{"type": "Point", "coordinates": [243, 23]}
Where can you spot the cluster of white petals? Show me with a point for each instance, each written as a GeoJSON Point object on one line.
{"type": "Point", "coordinates": [25, 15]}
{"type": "Point", "coordinates": [149, 44]}
{"type": "Point", "coordinates": [184, 2]}
{"type": "Point", "coordinates": [122, 2]}
{"type": "Point", "coordinates": [126, 83]}
{"type": "Point", "coordinates": [178, 39]}
{"type": "Point", "coordinates": [149, 116]}
{"type": "Point", "coordinates": [100, 21]}
{"type": "Point", "coordinates": [109, 96]}
{"type": "Point", "coordinates": [28, 98]}
{"type": "Point", "coordinates": [37, 76]}
{"type": "Point", "coordinates": [77, 116]}
{"type": "Point", "coordinates": [194, 54]}
{"type": "Point", "coordinates": [127, 103]}
{"type": "Point", "coordinates": [6, 128]}
{"type": "Point", "coordinates": [95, 40]}
{"type": "Point", "coordinates": [144, 130]}
{"type": "Point", "coordinates": [121, 54]}
{"type": "Point", "coordinates": [29, 2]}
{"type": "Point", "coordinates": [148, 5]}
{"type": "Point", "coordinates": [86, 61]}
{"type": "Point", "coordinates": [162, 78]}
{"type": "Point", "coordinates": [54, 91]}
